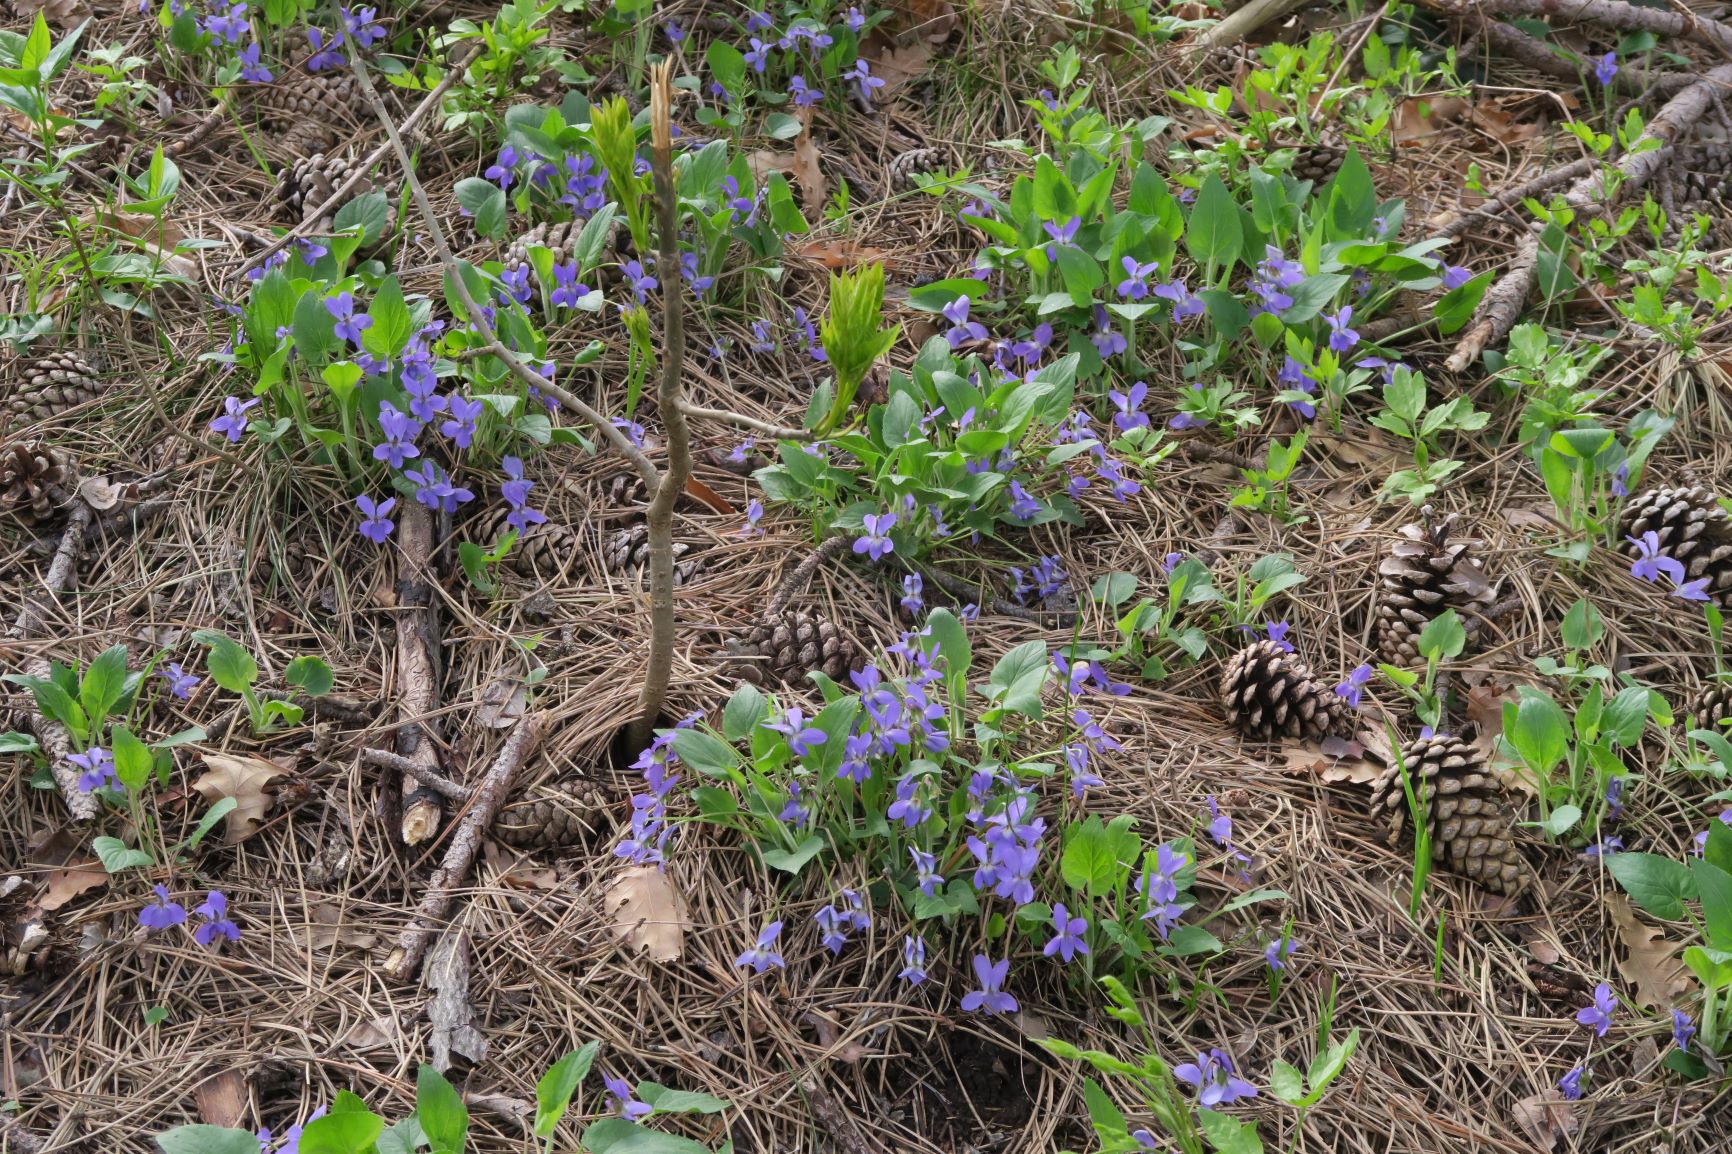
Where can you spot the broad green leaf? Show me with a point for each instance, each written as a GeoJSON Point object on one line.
{"type": "Point", "coordinates": [794, 860]}
{"type": "Point", "coordinates": [743, 712]}
{"type": "Point", "coordinates": [1657, 884]}
{"type": "Point", "coordinates": [104, 683]}
{"type": "Point", "coordinates": [1018, 678]}
{"type": "Point", "coordinates": [440, 1111]}
{"type": "Point", "coordinates": [1213, 235]}
{"type": "Point", "coordinates": [116, 855]}
{"type": "Point", "coordinates": [1539, 733]}
{"type": "Point", "coordinates": [1714, 885]}
{"type": "Point", "coordinates": [229, 665]}
{"type": "Point", "coordinates": [1286, 1083]}
{"type": "Point", "coordinates": [618, 1136]}
{"type": "Point", "coordinates": [312, 675]}
{"type": "Point", "coordinates": [669, 1101]}
{"type": "Point", "coordinates": [201, 1139]}
{"type": "Point", "coordinates": [132, 758]}
{"type": "Point", "coordinates": [553, 1093]}
{"type": "Point", "coordinates": [705, 753]}
{"type": "Point", "coordinates": [1228, 1135]}
{"type": "Point", "coordinates": [346, 1132]}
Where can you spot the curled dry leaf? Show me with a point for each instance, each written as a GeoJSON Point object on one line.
{"type": "Point", "coordinates": [844, 253]}
{"type": "Point", "coordinates": [100, 493]}
{"type": "Point", "coordinates": [60, 13]}
{"type": "Point", "coordinates": [648, 913]}
{"type": "Point", "coordinates": [502, 703]}
{"type": "Point", "coordinates": [1653, 966]}
{"type": "Point", "coordinates": [328, 929]}
{"type": "Point", "coordinates": [1545, 1118]}
{"type": "Point", "coordinates": [246, 779]}
{"type": "Point", "coordinates": [896, 65]}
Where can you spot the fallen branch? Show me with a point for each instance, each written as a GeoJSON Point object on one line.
{"type": "Point", "coordinates": [1240, 23]}
{"type": "Point", "coordinates": [460, 851]}
{"type": "Point", "coordinates": [409, 767]}
{"type": "Point", "coordinates": [342, 191]}
{"type": "Point", "coordinates": [780, 432]}
{"type": "Point", "coordinates": [56, 743]}
{"type": "Point", "coordinates": [1609, 14]}
{"type": "Point", "coordinates": [957, 587]}
{"type": "Point", "coordinates": [1503, 302]}
{"type": "Point", "coordinates": [417, 671]}
{"type": "Point", "coordinates": [1454, 226]}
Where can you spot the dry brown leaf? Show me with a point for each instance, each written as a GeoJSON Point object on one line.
{"type": "Point", "coordinates": [933, 19]}
{"type": "Point", "coordinates": [100, 493]}
{"type": "Point", "coordinates": [60, 13]}
{"type": "Point", "coordinates": [245, 779]}
{"type": "Point", "coordinates": [1653, 967]}
{"type": "Point", "coordinates": [844, 253]}
{"type": "Point", "coordinates": [1300, 757]}
{"type": "Point", "coordinates": [802, 164]}
{"type": "Point", "coordinates": [502, 703]}
{"type": "Point", "coordinates": [1544, 951]}
{"type": "Point", "coordinates": [1491, 119]}
{"type": "Point", "coordinates": [80, 875]}
{"type": "Point", "coordinates": [378, 1033]}
{"type": "Point", "coordinates": [328, 929]}
{"type": "Point", "coordinates": [649, 913]}
{"type": "Point", "coordinates": [1527, 517]}
{"type": "Point", "coordinates": [222, 1100]}
{"type": "Point", "coordinates": [1545, 1118]}
{"type": "Point", "coordinates": [518, 875]}
{"type": "Point", "coordinates": [896, 65]}
{"type": "Point", "coordinates": [709, 496]}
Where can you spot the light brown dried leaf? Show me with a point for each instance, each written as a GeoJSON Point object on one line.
{"type": "Point", "coordinates": [100, 493]}
{"type": "Point", "coordinates": [802, 164]}
{"type": "Point", "coordinates": [377, 1033]}
{"type": "Point", "coordinates": [245, 779]}
{"type": "Point", "coordinates": [60, 13]}
{"type": "Point", "coordinates": [897, 65]}
{"type": "Point", "coordinates": [1545, 1118]}
{"type": "Point", "coordinates": [502, 703]}
{"type": "Point", "coordinates": [648, 913]}
{"type": "Point", "coordinates": [222, 1100]}
{"type": "Point", "coordinates": [80, 875]}
{"type": "Point", "coordinates": [1302, 758]}
{"type": "Point", "coordinates": [844, 253]}
{"type": "Point", "coordinates": [328, 928]}
{"type": "Point", "coordinates": [1653, 967]}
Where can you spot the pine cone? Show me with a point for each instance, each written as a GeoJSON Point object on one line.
{"type": "Point", "coordinates": [53, 384]}
{"type": "Point", "coordinates": [627, 555]}
{"type": "Point", "coordinates": [574, 811]}
{"type": "Point", "coordinates": [544, 549]}
{"type": "Point", "coordinates": [308, 182]}
{"type": "Point", "coordinates": [1423, 576]}
{"type": "Point", "coordinates": [1269, 694]}
{"type": "Point", "coordinates": [791, 644]}
{"type": "Point", "coordinates": [1472, 824]}
{"type": "Point", "coordinates": [1692, 529]}
{"type": "Point", "coordinates": [626, 493]}
{"type": "Point", "coordinates": [35, 477]}
{"type": "Point", "coordinates": [1317, 162]}
{"type": "Point", "coordinates": [329, 100]}
{"type": "Point", "coordinates": [556, 237]}
{"type": "Point", "coordinates": [905, 164]}
{"type": "Point", "coordinates": [1711, 707]}
{"type": "Point", "coordinates": [306, 137]}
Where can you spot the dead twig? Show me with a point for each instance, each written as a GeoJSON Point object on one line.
{"type": "Point", "coordinates": [1503, 302]}
{"type": "Point", "coordinates": [417, 671]}
{"type": "Point", "coordinates": [460, 852]}
{"type": "Point", "coordinates": [780, 432]}
{"type": "Point", "coordinates": [409, 767]}
{"type": "Point", "coordinates": [1241, 23]}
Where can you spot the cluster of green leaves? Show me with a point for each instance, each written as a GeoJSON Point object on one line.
{"type": "Point", "coordinates": [233, 668]}
{"type": "Point", "coordinates": [99, 710]}
{"type": "Point", "coordinates": [514, 56]}
{"type": "Point", "coordinates": [1149, 1080]}
{"type": "Point", "coordinates": [960, 463]}
{"type": "Point", "coordinates": [1408, 418]}
{"type": "Point", "coordinates": [1540, 738]}
{"type": "Point", "coordinates": [1154, 632]}
{"type": "Point", "coordinates": [1662, 886]}
{"type": "Point", "coordinates": [440, 1121]}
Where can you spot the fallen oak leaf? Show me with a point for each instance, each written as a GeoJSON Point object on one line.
{"type": "Point", "coordinates": [1653, 966]}
{"type": "Point", "coordinates": [244, 779]}
{"type": "Point", "coordinates": [648, 913]}
{"type": "Point", "coordinates": [1545, 1118]}
{"type": "Point", "coordinates": [844, 253]}
{"type": "Point", "coordinates": [802, 164]}
{"type": "Point", "coordinates": [1299, 757]}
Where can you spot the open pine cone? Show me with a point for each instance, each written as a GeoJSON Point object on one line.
{"type": "Point", "coordinates": [627, 555]}
{"type": "Point", "coordinates": [1472, 823]}
{"type": "Point", "coordinates": [307, 182]}
{"type": "Point", "coordinates": [50, 385]}
{"type": "Point", "coordinates": [1692, 528]}
{"type": "Point", "coordinates": [35, 480]}
{"type": "Point", "coordinates": [1269, 694]}
{"type": "Point", "coordinates": [1422, 577]}
{"type": "Point", "coordinates": [544, 549]}
{"type": "Point", "coordinates": [1711, 707]}
{"type": "Point", "coordinates": [573, 811]}
{"type": "Point", "coordinates": [792, 643]}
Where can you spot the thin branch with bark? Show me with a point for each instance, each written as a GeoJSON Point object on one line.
{"type": "Point", "coordinates": [660, 515]}
{"type": "Point", "coordinates": [460, 852]}
{"type": "Point", "coordinates": [417, 672]}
